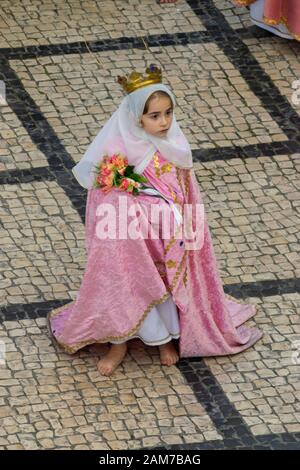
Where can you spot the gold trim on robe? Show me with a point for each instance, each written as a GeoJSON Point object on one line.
{"type": "Point", "coordinates": [283, 20]}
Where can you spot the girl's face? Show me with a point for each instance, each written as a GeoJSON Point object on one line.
{"type": "Point", "coordinates": [158, 118]}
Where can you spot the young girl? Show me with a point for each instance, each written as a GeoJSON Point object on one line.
{"type": "Point", "coordinates": [163, 287]}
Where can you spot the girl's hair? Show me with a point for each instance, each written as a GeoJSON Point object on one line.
{"type": "Point", "coordinates": [156, 94]}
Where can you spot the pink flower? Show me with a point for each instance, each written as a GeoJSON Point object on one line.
{"type": "Point", "coordinates": [110, 173]}
{"type": "Point", "coordinates": [113, 159]}
{"type": "Point", "coordinates": [106, 171]}
{"type": "Point", "coordinates": [124, 184]}
{"type": "Point", "coordinates": [99, 179]}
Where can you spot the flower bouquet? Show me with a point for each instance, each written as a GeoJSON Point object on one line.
{"type": "Point", "coordinates": [114, 172]}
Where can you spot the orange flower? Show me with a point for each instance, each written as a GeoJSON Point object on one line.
{"type": "Point", "coordinates": [108, 180]}
{"type": "Point", "coordinates": [99, 179]}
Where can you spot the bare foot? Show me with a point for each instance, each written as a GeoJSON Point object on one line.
{"type": "Point", "coordinates": [168, 354]}
{"type": "Point", "coordinates": [108, 364]}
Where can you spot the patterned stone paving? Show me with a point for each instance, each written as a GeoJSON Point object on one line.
{"type": "Point", "coordinates": [42, 243]}
{"type": "Point", "coordinates": [233, 85]}
{"type": "Point", "coordinates": [35, 22]}
{"type": "Point", "coordinates": [237, 17]}
{"type": "Point", "coordinates": [51, 400]}
{"type": "Point", "coordinates": [264, 384]}
{"type": "Point", "coordinates": [16, 147]}
{"type": "Point", "coordinates": [254, 211]}
{"type": "Point", "coordinates": [281, 62]}
{"type": "Point", "coordinates": [75, 102]}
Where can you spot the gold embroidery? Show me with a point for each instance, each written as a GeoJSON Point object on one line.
{"type": "Point", "coordinates": [178, 175]}
{"type": "Point", "coordinates": [178, 272]}
{"type": "Point", "coordinates": [75, 347]}
{"type": "Point", "coordinates": [72, 349]}
{"type": "Point", "coordinates": [156, 165]}
{"type": "Point", "coordinates": [187, 183]}
{"type": "Point", "coordinates": [161, 268]}
{"type": "Point", "coordinates": [173, 194]}
{"type": "Point", "coordinates": [171, 263]}
{"type": "Point", "coordinates": [185, 278]}
{"type": "Point", "coordinates": [244, 2]}
{"type": "Point", "coordinates": [167, 167]}
{"type": "Point", "coordinates": [172, 241]}
{"type": "Point", "coordinates": [283, 20]}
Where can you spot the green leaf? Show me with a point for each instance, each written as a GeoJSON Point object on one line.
{"type": "Point", "coordinates": [129, 170]}
{"type": "Point", "coordinates": [140, 178]}
{"type": "Point", "coordinates": [115, 182]}
{"type": "Point", "coordinates": [133, 177]}
{"type": "Point", "coordinates": [118, 178]}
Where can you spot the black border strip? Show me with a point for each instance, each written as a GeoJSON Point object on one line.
{"type": "Point", "coordinates": [240, 291]}
{"type": "Point", "coordinates": [79, 47]}
{"type": "Point", "coordinates": [283, 441]}
{"type": "Point", "coordinates": [45, 173]}
{"type": "Point", "coordinates": [154, 40]}
{"type": "Point", "coordinates": [27, 175]}
{"type": "Point", "coordinates": [246, 152]}
{"type": "Point", "coordinates": [239, 54]}
{"type": "Point", "coordinates": [43, 136]}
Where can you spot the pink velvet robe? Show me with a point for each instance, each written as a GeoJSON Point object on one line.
{"type": "Point", "coordinates": [280, 11]}
{"type": "Point", "coordinates": [125, 278]}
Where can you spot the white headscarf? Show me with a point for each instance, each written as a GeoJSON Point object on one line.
{"type": "Point", "coordinates": [122, 133]}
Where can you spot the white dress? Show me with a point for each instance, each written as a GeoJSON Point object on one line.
{"type": "Point", "coordinates": [160, 326]}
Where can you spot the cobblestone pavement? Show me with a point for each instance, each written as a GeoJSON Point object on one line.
{"type": "Point", "coordinates": [234, 86]}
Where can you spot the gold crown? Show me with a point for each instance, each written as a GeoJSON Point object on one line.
{"type": "Point", "coordinates": [136, 80]}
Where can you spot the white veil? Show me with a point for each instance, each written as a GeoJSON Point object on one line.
{"type": "Point", "coordinates": [122, 133]}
